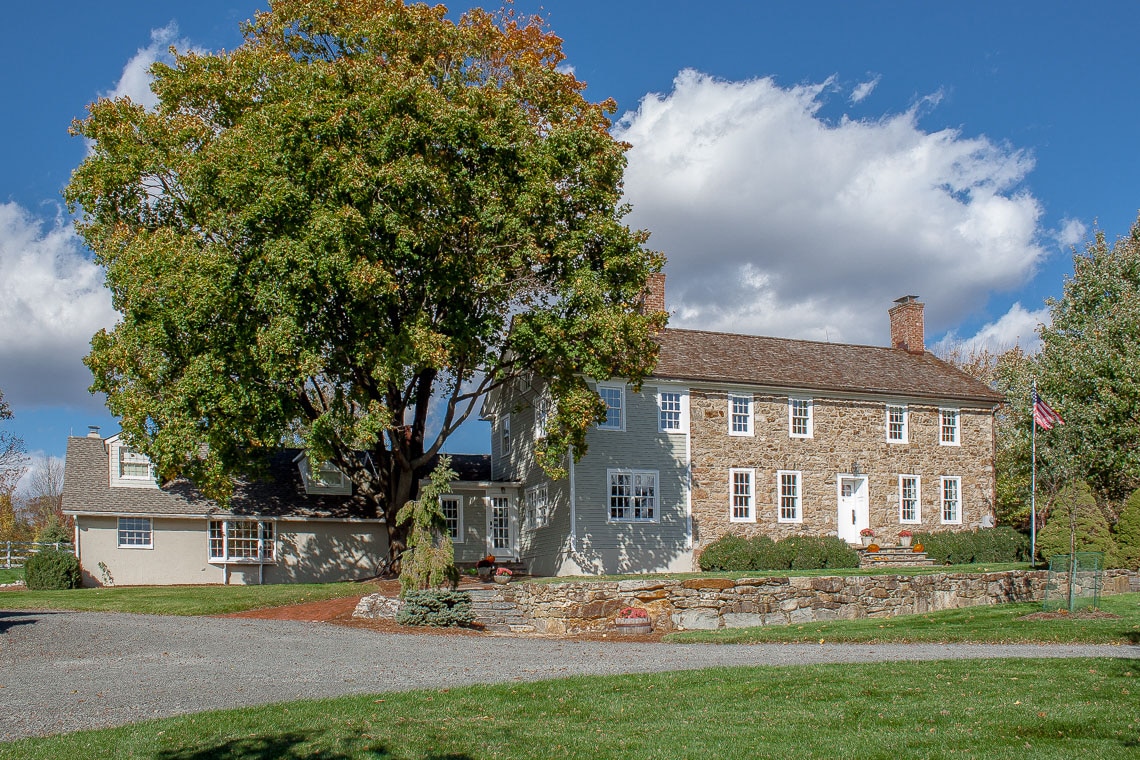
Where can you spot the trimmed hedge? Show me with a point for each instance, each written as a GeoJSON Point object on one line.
{"type": "Point", "coordinates": [51, 570]}
{"type": "Point", "coordinates": [1001, 544]}
{"type": "Point", "coordinates": [732, 553]}
{"type": "Point", "coordinates": [436, 607]}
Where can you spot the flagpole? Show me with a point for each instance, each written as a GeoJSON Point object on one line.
{"type": "Point", "coordinates": [1033, 483]}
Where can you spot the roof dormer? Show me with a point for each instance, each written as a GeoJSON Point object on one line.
{"type": "Point", "coordinates": [324, 480]}
{"type": "Point", "coordinates": [127, 467]}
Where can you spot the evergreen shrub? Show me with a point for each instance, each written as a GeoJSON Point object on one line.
{"type": "Point", "coordinates": [1001, 544]}
{"type": "Point", "coordinates": [51, 570]}
{"type": "Point", "coordinates": [436, 607]}
{"type": "Point", "coordinates": [1092, 533]}
{"type": "Point", "coordinates": [1127, 535]}
{"type": "Point", "coordinates": [732, 553]}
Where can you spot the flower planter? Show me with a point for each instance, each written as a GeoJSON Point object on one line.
{"type": "Point", "coordinates": [502, 580]}
{"type": "Point", "coordinates": [867, 540]}
{"type": "Point", "coordinates": [904, 541]}
{"type": "Point", "coordinates": [633, 626]}
{"type": "Point", "coordinates": [484, 572]}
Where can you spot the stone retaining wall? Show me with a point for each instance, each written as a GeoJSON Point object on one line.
{"type": "Point", "coordinates": [707, 603]}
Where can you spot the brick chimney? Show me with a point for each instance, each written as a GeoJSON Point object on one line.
{"type": "Point", "coordinates": [907, 331]}
{"type": "Point", "coordinates": [654, 298]}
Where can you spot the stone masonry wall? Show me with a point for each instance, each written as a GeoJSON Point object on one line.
{"type": "Point", "coordinates": [845, 432]}
{"type": "Point", "coordinates": [709, 603]}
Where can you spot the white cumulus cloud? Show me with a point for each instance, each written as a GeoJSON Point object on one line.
{"type": "Point", "coordinates": [777, 222]}
{"type": "Point", "coordinates": [52, 301]}
{"type": "Point", "coordinates": [1072, 233]}
{"type": "Point", "coordinates": [135, 80]}
{"type": "Point", "coordinates": [863, 89]}
{"type": "Point", "coordinates": [1017, 327]}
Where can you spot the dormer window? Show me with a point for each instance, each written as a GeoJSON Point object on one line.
{"type": "Point", "coordinates": [133, 465]}
{"type": "Point", "coordinates": [324, 479]}
{"type": "Point", "coordinates": [128, 468]}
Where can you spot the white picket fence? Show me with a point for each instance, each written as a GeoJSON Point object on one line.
{"type": "Point", "coordinates": [16, 553]}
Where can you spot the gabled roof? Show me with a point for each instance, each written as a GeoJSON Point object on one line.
{"type": "Point", "coordinates": [714, 357]}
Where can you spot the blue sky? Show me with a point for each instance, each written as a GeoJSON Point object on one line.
{"type": "Point", "coordinates": [801, 164]}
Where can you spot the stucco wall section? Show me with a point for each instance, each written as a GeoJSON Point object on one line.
{"type": "Point", "coordinates": [845, 432]}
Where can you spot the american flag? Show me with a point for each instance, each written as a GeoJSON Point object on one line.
{"type": "Point", "coordinates": [1043, 414]}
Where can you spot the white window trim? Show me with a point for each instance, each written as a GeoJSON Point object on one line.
{"type": "Point", "coordinates": [684, 421]}
{"type": "Point", "coordinates": [505, 436]}
{"type": "Point", "coordinates": [751, 417]}
{"type": "Point", "coordinates": [537, 502]}
{"type": "Point", "coordinates": [119, 529]}
{"type": "Point", "coordinates": [799, 518]}
{"type": "Point", "coordinates": [810, 417]}
{"type": "Point", "coordinates": [656, 496]}
{"type": "Point", "coordinates": [315, 484]}
{"type": "Point", "coordinates": [543, 406]}
{"type": "Point", "coordinates": [942, 500]}
{"type": "Point", "coordinates": [917, 500]}
{"type": "Point", "coordinates": [226, 559]}
{"type": "Point", "coordinates": [751, 473]}
{"type": "Point", "coordinates": [458, 537]}
{"type": "Point", "coordinates": [957, 427]}
{"type": "Point", "coordinates": [905, 424]}
{"type": "Point", "coordinates": [606, 424]}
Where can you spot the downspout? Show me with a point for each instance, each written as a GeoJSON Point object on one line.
{"type": "Point", "coordinates": [573, 506]}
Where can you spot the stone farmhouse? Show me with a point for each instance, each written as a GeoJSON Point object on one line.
{"type": "Point", "coordinates": [732, 434]}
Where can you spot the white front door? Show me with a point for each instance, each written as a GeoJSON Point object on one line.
{"type": "Point", "coordinates": [500, 536]}
{"type": "Point", "coordinates": [854, 512]}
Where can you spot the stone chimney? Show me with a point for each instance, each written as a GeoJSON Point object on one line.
{"type": "Point", "coordinates": [93, 431]}
{"type": "Point", "coordinates": [907, 331]}
{"type": "Point", "coordinates": [654, 298]}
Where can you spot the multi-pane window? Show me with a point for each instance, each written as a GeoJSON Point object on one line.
{"type": "Point", "coordinates": [329, 476]}
{"type": "Point", "coordinates": [133, 465]}
{"type": "Point", "coordinates": [788, 482]}
{"type": "Point", "coordinates": [909, 511]}
{"type": "Point", "coordinates": [452, 508]}
{"type": "Point", "coordinates": [506, 433]}
{"type": "Point", "coordinates": [670, 408]}
{"type": "Point", "coordinates": [242, 541]}
{"type": "Point", "coordinates": [499, 524]}
{"type": "Point", "coordinates": [633, 495]}
{"type": "Point", "coordinates": [799, 418]}
{"type": "Point", "coordinates": [614, 398]}
{"type": "Point", "coordinates": [542, 409]}
{"type": "Point", "coordinates": [739, 414]}
{"type": "Point", "coordinates": [135, 533]}
{"type": "Point", "coordinates": [896, 423]}
{"type": "Point", "coordinates": [743, 495]}
{"type": "Point", "coordinates": [952, 500]}
{"type": "Point", "coordinates": [949, 427]}
{"type": "Point", "coordinates": [537, 506]}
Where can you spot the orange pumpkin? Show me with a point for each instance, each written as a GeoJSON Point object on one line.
{"type": "Point", "coordinates": [873, 548]}
{"type": "Point", "coordinates": [918, 548]}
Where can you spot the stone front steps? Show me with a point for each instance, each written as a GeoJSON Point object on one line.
{"type": "Point", "coordinates": [894, 556]}
{"type": "Point", "coordinates": [497, 613]}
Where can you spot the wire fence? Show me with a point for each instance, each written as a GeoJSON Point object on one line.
{"type": "Point", "coordinates": [15, 553]}
{"type": "Point", "coordinates": [1074, 581]}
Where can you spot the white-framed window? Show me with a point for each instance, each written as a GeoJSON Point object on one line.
{"type": "Point", "coordinates": [742, 495]}
{"type": "Point", "coordinates": [672, 410]}
{"type": "Point", "coordinates": [896, 423]}
{"type": "Point", "coordinates": [910, 495]}
{"type": "Point", "coordinates": [949, 426]}
{"type": "Point", "coordinates": [537, 506]}
{"type": "Point", "coordinates": [135, 533]}
{"type": "Point", "coordinates": [134, 466]}
{"type": "Point", "coordinates": [328, 475]}
{"type": "Point", "coordinates": [543, 406]}
{"type": "Point", "coordinates": [952, 501]}
{"type": "Point", "coordinates": [739, 414]}
{"type": "Point", "coordinates": [251, 541]}
{"type": "Point", "coordinates": [506, 434]}
{"type": "Point", "coordinates": [452, 507]}
{"type": "Point", "coordinates": [614, 398]}
{"type": "Point", "coordinates": [789, 485]}
{"type": "Point", "coordinates": [322, 477]}
{"type": "Point", "coordinates": [633, 495]}
{"type": "Point", "coordinates": [800, 418]}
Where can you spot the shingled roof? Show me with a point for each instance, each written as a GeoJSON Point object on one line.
{"type": "Point", "coordinates": [715, 357]}
{"type": "Point", "coordinates": [279, 493]}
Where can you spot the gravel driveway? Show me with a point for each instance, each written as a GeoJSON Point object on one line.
{"type": "Point", "coordinates": [66, 671]}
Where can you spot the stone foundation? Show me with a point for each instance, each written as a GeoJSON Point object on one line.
{"type": "Point", "coordinates": [709, 603]}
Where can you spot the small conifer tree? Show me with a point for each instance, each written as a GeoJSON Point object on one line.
{"type": "Point", "coordinates": [429, 560]}
{"type": "Point", "coordinates": [1076, 524]}
{"type": "Point", "coordinates": [1127, 533]}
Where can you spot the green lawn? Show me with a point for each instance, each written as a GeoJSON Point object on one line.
{"type": "Point", "coordinates": [991, 567]}
{"type": "Point", "coordinates": [998, 709]}
{"type": "Point", "coordinates": [985, 624]}
{"type": "Point", "coordinates": [179, 600]}
{"type": "Point", "coordinates": [11, 575]}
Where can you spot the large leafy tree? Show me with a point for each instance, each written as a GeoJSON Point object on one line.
{"type": "Point", "coordinates": [357, 223]}
{"type": "Point", "coordinates": [1089, 364]}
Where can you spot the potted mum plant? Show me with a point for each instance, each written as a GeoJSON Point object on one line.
{"type": "Point", "coordinates": [633, 620]}
{"type": "Point", "coordinates": [867, 535]}
{"type": "Point", "coordinates": [502, 575]}
{"type": "Point", "coordinates": [904, 538]}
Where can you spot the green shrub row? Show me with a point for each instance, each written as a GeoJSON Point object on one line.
{"type": "Point", "coordinates": [436, 607]}
{"type": "Point", "coordinates": [734, 553]}
{"type": "Point", "coordinates": [51, 570]}
{"type": "Point", "coordinates": [1001, 544]}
